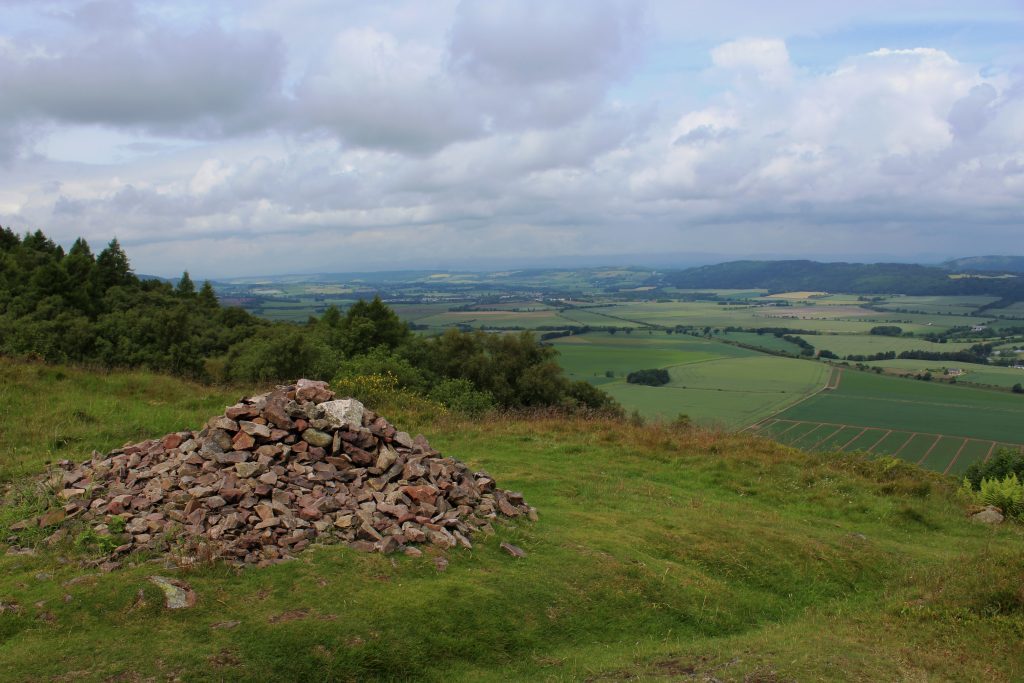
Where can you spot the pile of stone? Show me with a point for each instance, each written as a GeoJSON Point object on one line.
{"type": "Point", "coordinates": [279, 471]}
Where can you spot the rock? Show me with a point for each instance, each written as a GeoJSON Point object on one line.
{"type": "Point", "coordinates": [247, 469]}
{"type": "Point", "coordinates": [403, 439]}
{"type": "Point", "coordinates": [314, 437]}
{"type": "Point", "coordinates": [177, 594]}
{"type": "Point", "coordinates": [387, 458]}
{"type": "Point", "coordinates": [224, 423]}
{"type": "Point", "coordinates": [225, 624]}
{"type": "Point", "coordinates": [513, 550]}
{"type": "Point", "coordinates": [990, 515]}
{"type": "Point", "coordinates": [171, 441]}
{"type": "Point", "coordinates": [253, 429]}
{"type": "Point", "coordinates": [275, 412]}
{"type": "Point", "coordinates": [312, 390]}
{"type": "Point", "coordinates": [346, 412]}
{"type": "Point", "coordinates": [243, 441]}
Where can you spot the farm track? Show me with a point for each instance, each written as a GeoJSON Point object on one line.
{"type": "Point", "coordinates": [834, 428]}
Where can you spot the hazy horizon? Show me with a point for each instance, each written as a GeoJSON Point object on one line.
{"type": "Point", "coordinates": [245, 139]}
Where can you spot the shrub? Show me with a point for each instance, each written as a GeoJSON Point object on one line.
{"type": "Point", "coordinates": [1002, 464]}
{"type": "Point", "coordinates": [461, 396]}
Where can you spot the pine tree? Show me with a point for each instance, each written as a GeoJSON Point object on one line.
{"type": "Point", "coordinates": [112, 267]}
{"type": "Point", "coordinates": [185, 285]}
{"type": "Point", "coordinates": [207, 297]}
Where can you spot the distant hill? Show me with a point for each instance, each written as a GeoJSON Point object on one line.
{"type": "Point", "coordinates": [987, 264]}
{"type": "Point", "coordinates": [788, 276]}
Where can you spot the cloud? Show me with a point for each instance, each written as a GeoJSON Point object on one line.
{"type": "Point", "coordinates": [112, 66]}
{"type": "Point", "coordinates": [371, 136]}
{"type": "Point", "coordinates": [371, 90]}
{"type": "Point", "coordinates": [506, 66]}
{"type": "Point", "coordinates": [766, 60]}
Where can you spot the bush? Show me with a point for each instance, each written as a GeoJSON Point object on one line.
{"type": "Point", "coordinates": [279, 353]}
{"type": "Point", "coordinates": [1004, 463]}
{"type": "Point", "coordinates": [461, 396]}
{"type": "Point", "coordinates": [381, 361]}
{"type": "Point", "coordinates": [653, 378]}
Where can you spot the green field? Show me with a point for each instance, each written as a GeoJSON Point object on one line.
{"type": "Point", "coordinates": [867, 399]}
{"type": "Point", "coordinates": [955, 305]}
{"type": "Point", "coordinates": [867, 344]}
{"type": "Point", "coordinates": [661, 554]}
{"type": "Point", "coordinates": [768, 342]}
{"type": "Point", "coordinates": [839, 319]}
{"type": "Point", "coordinates": [711, 382]}
{"type": "Point", "coordinates": [942, 453]}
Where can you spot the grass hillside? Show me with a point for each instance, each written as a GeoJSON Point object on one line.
{"type": "Point", "coordinates": [660, 554]}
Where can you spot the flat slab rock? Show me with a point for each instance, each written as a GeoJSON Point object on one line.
{"type": "Point", "coordinates": [276, 473]}
{"type": "Point", "coordinates": [177, 594]}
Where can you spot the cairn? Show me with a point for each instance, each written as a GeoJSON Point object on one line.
{"type": "Point", "coordinates": [279, 471]}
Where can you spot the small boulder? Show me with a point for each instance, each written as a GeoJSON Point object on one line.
{"type": "Point", "coordinates": [990, 515]}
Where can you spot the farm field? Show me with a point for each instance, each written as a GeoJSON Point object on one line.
{"type": "Point", "coordinates": [1014, 311]}
{"type": "Point", "coordinates": [866, 344]}
{"type": "Point", "coordinates": [478, 319]}
{"type": "Point", "coordinates": [986, 375]}
{"type": "Point", "coordinates": [871, 400]}
{"type": "Point", "coordinates": [763, 341]}
{"type": "Point", "coordinates": [845, 319]}
{"type": "Point", "coordinates": [939, 452]}
{"type": "Point", "coordinates": [711, 382]}
{"type": "Point", "coordinates": [958, 305]}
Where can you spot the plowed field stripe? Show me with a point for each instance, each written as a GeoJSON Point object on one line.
{"type": "Point", "coordinates": [862, 432]}
{"type": "Point", "coordinates": [930, 449]}
{"type": "Point", "coordinates": [909, 439]}
{"type": "Point", "coordinates": [826, 438]}
{"type": "Point", "coordinates": [951, 462]}
{"type": "Point", "coordinates": [887, 433]}
{"type": "Point", "coordinates": [788, 428]}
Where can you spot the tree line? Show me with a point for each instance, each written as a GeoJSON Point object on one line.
{"type": "Point", "coordinates": [80, 307]}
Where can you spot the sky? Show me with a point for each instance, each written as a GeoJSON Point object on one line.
{"type": "Point", "coordinates": [245, 137]}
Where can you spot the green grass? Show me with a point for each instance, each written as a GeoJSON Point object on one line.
{"type": "Point", "coordinates": [868, 399]}
{"type": "Point", "coordinates": [660, 554]}
{"type": "Point", "coordinates": [80, 411]}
